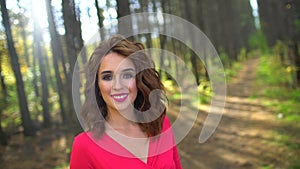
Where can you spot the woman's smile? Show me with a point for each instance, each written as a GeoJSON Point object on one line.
{"type": "Point", "coordinates": [120, 97]}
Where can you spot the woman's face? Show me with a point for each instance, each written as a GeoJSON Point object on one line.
{"type": "Point", "coordinates": [117, 81]}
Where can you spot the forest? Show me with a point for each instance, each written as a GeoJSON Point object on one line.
{"type": "Point", "coordinates": [44, 43]}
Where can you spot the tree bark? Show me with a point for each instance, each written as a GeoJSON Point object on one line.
{"type": "Point", "coordinates": [24, 37]}
{"type": "Point", "coordinates": [57, 51]}
{"type": "Point", "coordinates": [272, 20]}
{"type": "Point", "coordinates": [123, 9]}
{"type": "Point", "coordinates": [100, 20]}
{"type": "Point", "coordinates": [193, 56]}
{"type": "Point", "coordinates": [74, 45]}
{"type": "Point", "coordinates": [29, 128]}
{"type": "Point", "coordinates": [4, 97]}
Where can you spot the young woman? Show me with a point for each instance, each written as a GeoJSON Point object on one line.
{"type": "Point", "coordinates": [124, 111]}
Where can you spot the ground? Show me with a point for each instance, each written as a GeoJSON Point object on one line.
{"type": "Point", "coordinates": [244, 138]}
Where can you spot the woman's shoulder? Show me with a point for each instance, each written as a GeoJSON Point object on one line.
{"type": "Point", "coordinates": [82, 138]}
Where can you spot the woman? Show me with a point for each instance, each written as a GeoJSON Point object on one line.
{"type": "Point", "coordinates": [124, 112]}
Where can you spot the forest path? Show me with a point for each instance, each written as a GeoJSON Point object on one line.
{"type": "Point", "coordinates": [243, 139]}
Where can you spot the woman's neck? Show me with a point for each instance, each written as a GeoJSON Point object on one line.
{"type": "Point", "coordinates": [117, 122]}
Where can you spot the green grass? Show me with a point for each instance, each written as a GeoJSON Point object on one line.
{"type": "Point", "coordinates": [274, 81]}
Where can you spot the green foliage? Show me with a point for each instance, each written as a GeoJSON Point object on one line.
{"type": "Point", "coordinates": [64, 165]}
{"type": "Point", "coordinates": [297, 25]}
{"type": "Point", "coordinates": [174, 93]}
{"type": "Point", "coordinates": [268, 166]}
{"type": "Point", "coordinates": [258, 41]}
{"type": "Point", "coordinates": [272, 72]}
{"type": "Point", "coordinates": [232, 71]}
{"type": "Point", "coordinates": [274, 76]}
{"type": "Point", "coordinates": [242, 55]}
{"type": "Point", "coordinates": [224, 58]}
{"type": "Point", "coordinates": [205, 91]}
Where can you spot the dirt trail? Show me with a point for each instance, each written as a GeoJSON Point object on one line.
{"type": "Point", "coordinates": [243, 138]}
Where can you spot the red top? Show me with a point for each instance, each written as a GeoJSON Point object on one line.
{"type": "Point", "coordinates": [105, 153]}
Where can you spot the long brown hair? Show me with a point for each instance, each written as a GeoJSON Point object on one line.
{"type": "Point", "coordinates": [94, 109]}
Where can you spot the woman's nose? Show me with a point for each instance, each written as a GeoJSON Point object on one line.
{"type": "Point", "coordinates": [117, 83]}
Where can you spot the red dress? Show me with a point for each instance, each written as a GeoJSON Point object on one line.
{"type": "Point", "coordinates": [89, 154]}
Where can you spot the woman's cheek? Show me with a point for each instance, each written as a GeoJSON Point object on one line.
{"type": "Point", "coordinates": [133, 89]}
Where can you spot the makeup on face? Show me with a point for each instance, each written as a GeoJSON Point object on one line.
{"type": "Point", "coordinates": [117, 81]}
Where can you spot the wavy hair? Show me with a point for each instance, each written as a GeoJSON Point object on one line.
{"type": "Point", "coordinates": [94, 109]}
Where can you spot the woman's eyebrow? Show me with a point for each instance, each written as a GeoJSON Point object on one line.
{"type": "Point", "coordinates": [128, 70]}
{"type": "Point", "coordinates": [106, 72]}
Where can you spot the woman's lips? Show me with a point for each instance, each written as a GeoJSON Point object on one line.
{"type": "Point", "coordinates": [120, 97]}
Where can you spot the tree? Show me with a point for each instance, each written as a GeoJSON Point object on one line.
{"type": "Point", "coordinates": [57, 52]}
{"type": "Point", "coordinates": [24, 21]}
{"type": "Point", "coordinates": [29, 128]}
{"type": "Point", "coordinates": [272, 20]}
{"type": "Point", "coordinates": [74, 45]}
{"type": "Point", "coordinates": [193, 57]}
{"type": "Point", "coordinates": [38, 48]}
{"type": "Point", "coordinates": [125, 27]}
{"type": "Point", "coordinates": [100, 19]}
{"type": "Point", "coordinates": [280, 21]}
{"type": "Point", "coordinates": [3, 95]}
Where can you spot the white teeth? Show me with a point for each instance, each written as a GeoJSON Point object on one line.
{"type": "Point", "coordinates": [120, 96]}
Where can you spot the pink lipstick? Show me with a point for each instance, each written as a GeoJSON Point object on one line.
{"type": "Point", "coordinates": [120, 97]}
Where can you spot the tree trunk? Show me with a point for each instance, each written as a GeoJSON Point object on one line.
{"type": "Point", "coordinates": [42, 66]}
{"type": "Point", "coordinates": [35, 78]}
{"type": "Point", "coordinates": [100, 20]}
{"type": "Point", "coordinates": [57, 51]}
{"type": "Point", "coordinates": [193, 56]}
{"type": "Point", "coordinates": [123, 9]}
{"type": "Point", "coordinates": [3, 135]}
{"type": "Point", "coordinates": [2, 82]}
{"type": "Point", "coordinates": [74, 45]}
{"type": "Point", "coordinates": [27, 123]}
{"type": "Point", "coordinates": [4, 97]}
{"type": "Point", "coordinates": [145, 6]}
{"type": "Point", "coordinates": [297, 41]}
{"type": "Point", "coordinates": [273, 20]}
{"type": "Point", "coordinates": [24, 38]}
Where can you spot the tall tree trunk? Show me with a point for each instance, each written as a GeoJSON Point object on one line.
{"type": "Point", "coordinates": [273, 20]}
{"type": "Point", "coordinates": [279, 22]}
{"type": "Point", "coordinates": [42, 66]}
{"type": "Point", "coordinates": [144, 8]}
{"type": "Point", "coordinates": [4, 97]}
{"type": "Point", "coordinates": [35, 78]}
{"type": "Point", "coordinates": [162, 38]}
{"type": "Point", "coordinates": [123, 9]}
{"type": "Point", "coordinates": [100, 20]}
{"type": "Point", "coordinates": [24, 38]}
{"type": "Point", "coordinates": [2, 83]}
{"type": "Point", "coordinates": [3, 135]}
{"type": "Point", "coordinates": [29, 128]}
{"type": "Point", "coordinates": [74, 45]}
{"type": "Point", "coordinates": [246, 22]}
{"type": "Point", "coordinates": [296, 7]}
{"type": "Point", "coordinates": [193, 56]}
{"type": "Point", "coordinates": [56, 52]}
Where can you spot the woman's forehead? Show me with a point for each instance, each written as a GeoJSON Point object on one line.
{"type": "Point", "coordinates": [115, 62]}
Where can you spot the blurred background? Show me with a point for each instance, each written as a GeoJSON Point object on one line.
{"type": "Point", "coordinates": [257, 41]}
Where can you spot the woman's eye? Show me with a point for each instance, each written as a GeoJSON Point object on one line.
{"type": "Point", "coordinates": [107, 77]}
{"type": "Point", "coordinates": [128, 75]}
